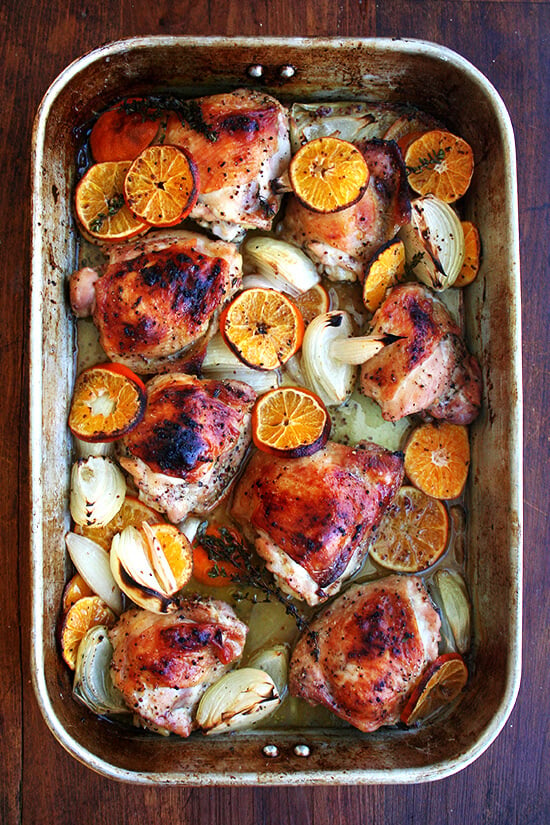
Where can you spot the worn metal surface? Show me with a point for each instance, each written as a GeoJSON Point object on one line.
{"type": "Point", "coordinates": [442, 83]}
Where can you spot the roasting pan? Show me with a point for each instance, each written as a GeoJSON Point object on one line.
{"type": "Point", "coordinates": [444, 84]}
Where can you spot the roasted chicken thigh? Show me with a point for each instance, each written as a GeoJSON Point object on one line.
{"type": "Point", "coordinates": [426, 367]}
{"type": "Point", "coordinates": [186, 451]}
{"type": "Point", "coordinates": [340, 243]}
{"type": "Point", "coordinates": [363, 654]}
{"type": "Point", "coordinates": [240, 143]}
{"type": "Point", "coordinates": [311, 518]}
{"type": "Point", "coordinates": [163, 664]}
{"type": "Point", "coordinates": [159, 297]}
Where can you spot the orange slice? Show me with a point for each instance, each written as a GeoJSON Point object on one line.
{"type": "Point", "coordinates": [412, 534]}
{"type": "Point", "coordinates": [108, 401]}
{"type": "Point", "coordinates": [437, 458]}
{"type": "Point", "coordinates": [443, 681]}
{"type": "Point", "coordinates": [100, 206]}
{"type": "Point", "coordinates": [121, 135]}
{"type": "Point", "coordinates": [314, 302]}
{"type": "Point", "coordinates": [263, 327]}
{"type": "Point", "coordinates": [75, 589]}
{"type": "Point", "coordinates": [132, 514]}
{"type": "Point", "coordinates": [405, 141]}
{"type": "Point", "coordinates": [472, 253]}
{"type": "Point", "coordinates": [211, 571]}
{"type": "Point", "coordinates": [385, 269]}
{"type": "Point", "coordinates": [328, 174]}
{"type": "Point", "coordinates": [440, 164]}
{"type": "Point", "coordinates": [176, 549]}
{"type": "Point", "coordinates": [84, 614]}
{"type": "Point", "coordinates": [290, 421]}
{"type": "Point", "coordinates": [162, 185]}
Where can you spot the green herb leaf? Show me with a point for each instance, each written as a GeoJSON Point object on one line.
{"type": "Point", "coordinates": [226, 548]}
{"type": "Point", "coordinates": [410, 265]}
{"type": "Point", "coordinates": [98, 222]}
{"type": "Point", "coordinates": [424, 163]}
{"type": "Point", "coordinates": [189, 111]}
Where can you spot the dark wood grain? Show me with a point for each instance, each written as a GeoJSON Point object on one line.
{"type": "Point", "coordinates": [40, 783]}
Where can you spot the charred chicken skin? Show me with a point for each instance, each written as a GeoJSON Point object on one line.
{"type": "Point", "coordinates": [311, 518]}
{"type": "Point", "coordinates": [340, 243]}
{"type": "Point", "coordinates": [186, 451]}
{"type": "Point", "coordinates": [240, 143]}
{"type": "Point", "coordinates": [163, 664]}
{"type": "Point", "coordinates": [427, 368]}
{"type": "Point", "coordinates": [364, 653]}
{"type": "Point", "coordinates": [158, 299]}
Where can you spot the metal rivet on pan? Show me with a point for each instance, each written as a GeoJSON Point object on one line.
{"type": "Point", "coordinates": [270, 751]}
{"type": "Point", "coordinates": [301, 750]}
{"type": "Point", "coordinates": [255, 71]}
{"type": "Point", "coordinates": [288, 71]}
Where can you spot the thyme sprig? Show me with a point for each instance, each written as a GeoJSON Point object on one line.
{"type": "Point", "coordinates": [190, 112]}
{"type": "Point", "coordinates": [225, 547]}
{"type": "Point", "coordinates": [114, 204]}
{"type": "Point", "coordinates": [410, 265]}
{"type": "Point", "coordinates": [432, 159]}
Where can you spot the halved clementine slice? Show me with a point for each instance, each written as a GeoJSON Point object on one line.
{"type": "Point", "coordinates": [108, 401]}
{"type": "Point", "coordinates": [328, 174]}
{"type": "Point", "coordinates": [472, 253]}
{"type": "Point", "coordinates": [132, 514]}
{"type": "Point", "coordinates": [121, 135]}
{"type": "Point", "coordinates": [443, 681]}
{"type": "Point", "coordinates": [385, 269]}
{"type": "Point", "coordinates": [412, 534]}
{"type": "Point", "coordinates": [263, 327]}
{"type": "Point", "coordinates": [290, 421]}
{"type": "Point", "coordinates": [437, 458]}
{"type": "Point", "coordinates": [440, 164]}
{"type": "Point", "coordinates": [162, 185]}
{"type": "Point", "coordinates": [314, 302]}
{"type": "Point", "coordinates": [84, 614]}
{"type": "Point", "coordinates": [100, 206]}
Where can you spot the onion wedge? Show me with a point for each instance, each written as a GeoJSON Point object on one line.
{"type": "Point", "coordinates": [92, 562]}
{"type": "Point", "coordinates": [434, 242]}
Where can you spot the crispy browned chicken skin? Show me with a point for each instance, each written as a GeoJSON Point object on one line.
{"type": "Point", "coordinates": [240, 144]}
{"type": "Point", "coordinates": [159, 298]}
{"type": "Point", "coordinates": [340, 243]}
{"type": "Point", "coordinates": [365, 652]}
{"type": "Point", "coordinates": [311, 518]}
{"type": "Point", "coordinates": [427, 368]}
{"type": "Point", "coordinates": [186, 451]}
{"type": "Point", "coordinates": [163, 664]}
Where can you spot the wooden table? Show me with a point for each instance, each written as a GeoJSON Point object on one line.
{"type": "Point", "coordinates": [506, 40]}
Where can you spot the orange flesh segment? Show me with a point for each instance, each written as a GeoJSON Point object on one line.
{"type": "Point", "coordinates": [106, 404]}
{"type": "Point", "coordinates": [264, 328]}
{"type": "Point", "coordinates": [83, 615]}
{"type": "Point", "coordinates": [290, 420]}
{"type": "Point", "coordinates": [100, 206]}
{"type": "Point", "coordinates": [328, 174]}
{"type": "Point", "coordinates": [413, 533]}
{"type": "Point", "coordinates": [132, 514]}
{"type": "Point", "coordinates": [472, 253]}
{"type": "Point", "coordinates": [440, 164]}
{"type": "Point", "coordinates": [437, 459]}
{"type": "Point", "coordinates": [161, 185]}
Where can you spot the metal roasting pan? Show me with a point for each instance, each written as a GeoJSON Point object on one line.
{"type": "Point", "coordinates": [446, 85]}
